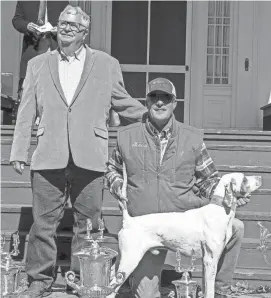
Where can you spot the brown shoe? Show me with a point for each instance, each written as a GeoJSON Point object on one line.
{"type": "Point", "coordinates": [37, 289]}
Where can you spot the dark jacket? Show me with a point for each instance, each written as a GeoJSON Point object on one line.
{"type": "Point", "coordinates": [153, 188]}
{"type": "Point", "coordinates": [27, 12]}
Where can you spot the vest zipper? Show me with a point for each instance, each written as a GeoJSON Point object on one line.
{"type": "Point", "coordinates": [158, 171]}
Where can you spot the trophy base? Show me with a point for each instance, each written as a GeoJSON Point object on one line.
{"type": "Point", "coordinates": [95, 292]}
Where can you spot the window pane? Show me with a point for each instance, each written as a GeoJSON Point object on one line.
{"type": "Point", "coordinates": [226, 8]}
{"type": "Point", "coordinates": [135, 83]}
{"type": "Point", "coordinates": [210, 40]}
{"type": "Point", "coordinates": [226, 51]}
{"type": "Point", "coordinates": [210, 50]}
{"type": "Point", "coordinates": [226, 36]}
{"type": "Point", "coordinates": [210, 64]}
{"type": "Point", "coordinates": [211, 8]}
{"type": "Point", "coordinates": [211, 20]}
{"type": "Point", "coordinates": [177, 79]}
{"type": "Point", "coordinates": [168, 32]}
{"type": "Point", "coordinates": [209, 81]}
{"type": "Point", "coordinates": [227, 21]}
{"type": "Point", "coordinates": [225, 66]}
{"type": "Point", "coordinates": [217, 66]}
{"type": "Point", "coordinates": [218, 43]}
{"type": "Point", "coordinates": [219, 8]}
{"type": "Point", "coordinates": [218, 36]}
{"type": "Point", "coordinates": [129, 31]}
{"type": "Point", "coordinates": [179, 111]}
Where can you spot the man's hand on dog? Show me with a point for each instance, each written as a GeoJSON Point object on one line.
{"type": "Point", "coordinates": [243, 201]}
{"type": "Point", "coordinates": [118, 191]}
{"type": "Point", "coordinates": [120, 195]}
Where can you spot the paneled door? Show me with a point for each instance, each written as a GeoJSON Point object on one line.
{"type": "Point", "coordinates": [153, 39]}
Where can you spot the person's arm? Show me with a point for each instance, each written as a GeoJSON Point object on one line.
{"type": "Point", "coordinates": [206, 173]}
{"type": "Point", "coordinates": [114, 172]}
{"type": "Point", "coordinates": [19, 22]}
{"type": "Point", "coordinates": [25, 120]}
{"type": "Point", "coordinates": [122, 103]}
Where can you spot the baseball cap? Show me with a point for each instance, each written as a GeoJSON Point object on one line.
{"type": "Point", "coordinates": [161, 84]}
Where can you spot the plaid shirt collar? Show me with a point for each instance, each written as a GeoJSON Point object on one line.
{"type": "Point", "coordinates": [164, 134]}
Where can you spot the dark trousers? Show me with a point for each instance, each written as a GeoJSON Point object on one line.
{"type": "Point", "coordinates": [49, 200]}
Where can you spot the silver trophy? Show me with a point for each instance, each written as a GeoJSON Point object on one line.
{"type": "Point", "coordinates": [185, 287]}
{"type": "Point", "coordinates": [95, 267]}
{"type": "Point", "coordinates": [263, 247]}
{"type": "Point", "coordinates": [11, 285]}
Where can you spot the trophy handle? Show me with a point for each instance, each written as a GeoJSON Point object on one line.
{"type": "Point", "coordinates": [70, 277]}
{"type": "Point", "coordinates": [119, 280]}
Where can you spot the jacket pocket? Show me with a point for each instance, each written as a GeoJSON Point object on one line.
{"type": "Point", "coordinates": [40, 131]}
{"type": "Point", "coordinates": [101, 132]}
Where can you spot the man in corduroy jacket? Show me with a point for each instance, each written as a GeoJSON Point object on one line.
{"type": "Point", "coordinates": [169, 170]}
{"type": "Point", "coordinates": [71, 90]}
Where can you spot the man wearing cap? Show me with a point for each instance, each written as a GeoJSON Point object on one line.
{"type": "Point", "coordinates": [168, 170]}
{"type": "Point", "coordinates": [71, 90]}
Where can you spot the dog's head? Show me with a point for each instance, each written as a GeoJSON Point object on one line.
{"type": "Point", "coordinates": [237, 185]}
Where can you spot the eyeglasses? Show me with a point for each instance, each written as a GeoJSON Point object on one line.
{"type": "Point", "coordinates": [165, 98]}
{"type": "Point", "coordinates": [76, 27]}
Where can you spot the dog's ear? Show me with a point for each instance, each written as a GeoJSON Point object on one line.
{"type": "Point", "coordinates": [233, 185]}
{"type": "Point", "coordinates": [230, 190]}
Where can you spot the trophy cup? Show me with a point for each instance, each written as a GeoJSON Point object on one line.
{"type": "Point", "coordinates": [185, 287]}
{"type": "Point", "coordinates": [263, 247]}
{"type": "Point", "coordinates": [10, 271]}
{"type": "Point", "coordinates": [95, 267]}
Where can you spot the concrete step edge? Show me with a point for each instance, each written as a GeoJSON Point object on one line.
{"type": "Point", "coordinates": [247, 243]}
{"type": "Point", "coordinates": [114, 211]}
{"type": "Point", "coordinates": [234, 147]}
{"type": "Point", "coordinates": [25, 184]}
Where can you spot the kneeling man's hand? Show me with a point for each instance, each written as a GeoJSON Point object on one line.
{"type": "Point", "coordinates": [120, 195]}
{"type": "Point", "coordinates": [243, 201]}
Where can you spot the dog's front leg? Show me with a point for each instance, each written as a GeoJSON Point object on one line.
{"type": "Point", "coordinates": [210, 260]}
{"type": "Point", "coordinates": [132, 250]}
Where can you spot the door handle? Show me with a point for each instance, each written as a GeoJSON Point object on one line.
{"type": "Point", "coordinates": [246, 64]}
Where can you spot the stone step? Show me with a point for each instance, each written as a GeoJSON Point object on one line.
{"type": "Point", "coordinates": [19, 217]}
{"type": "Point", "coordinates": [260, 200]}
{"type": "Point", "coordinates": [229, 151]}
{"type": "Point", "coordinates": [254, 277]}
{"type": "Point", "coordinates": [247, 155]}
{"type": "Point", "coordinates": [249, 256]}
{"type": "Point", "coordinates": [17, 192]}
{"type": "Point", "coordinates": [259, 278]}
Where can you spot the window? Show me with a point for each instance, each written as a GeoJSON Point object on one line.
{"type": "Point", "coordinates": [218, 43]}
{"type": "Point", "coordinates": [149, 40]}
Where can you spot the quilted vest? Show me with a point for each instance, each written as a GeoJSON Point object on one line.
{"type": "Point", "coordinates": [155, 188]}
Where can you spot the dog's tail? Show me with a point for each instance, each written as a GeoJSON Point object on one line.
{"type": "Point", "coordinates": [123, 203]}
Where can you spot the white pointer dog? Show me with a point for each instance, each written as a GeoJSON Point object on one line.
{"type": "Point", "coordinates": [203, 232]}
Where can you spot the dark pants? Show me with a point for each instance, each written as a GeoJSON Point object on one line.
{"type": "Point", "coordinates": [49, 200]}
